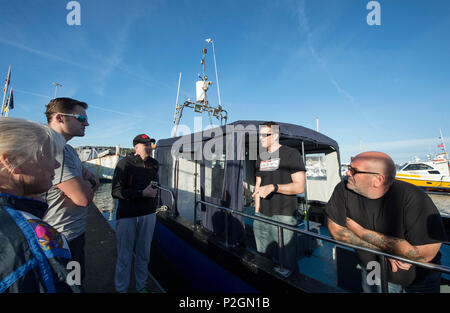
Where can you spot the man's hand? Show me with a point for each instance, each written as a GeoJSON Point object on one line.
{"type": "Point", "coordinates": [358, 230]}
{"type": "Point", "coordinates": [149, 191]}
{"type": "Point", "coordinates": [395, 264]}
{"type": "Point", "coordinates": [264, 191]}
{"type": "Point", "coordinates": [91, 178]}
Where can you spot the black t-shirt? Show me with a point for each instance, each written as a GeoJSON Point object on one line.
{"type": "Point", "coordinates": [277, 169]}
{"type": "Point", "coordinates": [404, 212]}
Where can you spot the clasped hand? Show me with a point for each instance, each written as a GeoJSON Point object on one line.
{"type": "Point", "coordinates": [263, 191]}
{"type": "Point", "coordinates": [150, 191]}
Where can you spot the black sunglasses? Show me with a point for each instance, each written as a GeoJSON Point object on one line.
{"type": "Point", "coordinates": [354, 171]}
{"type": "Point", "coordinates": [265, 135]}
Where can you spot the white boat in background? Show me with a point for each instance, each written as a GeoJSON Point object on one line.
{"type": "Point", "coordinates": [101, 161]}
{"type": "Point", "coordinates": [433, 174]}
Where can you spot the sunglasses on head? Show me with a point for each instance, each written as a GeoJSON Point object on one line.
{"type": "Point", "coordinates": [354, 171]}
{"type": "Point", "coordinates": [80, 118]}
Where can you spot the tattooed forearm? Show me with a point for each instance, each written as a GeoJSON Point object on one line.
{"type": "Point", "coordinates": [348, 236]}
{"type": "Point", "coordinates": [385, 243]}
{"type": "Point", "coordinates": [413, 254]}
{"type": "Point", "coordinates": [393, 245]}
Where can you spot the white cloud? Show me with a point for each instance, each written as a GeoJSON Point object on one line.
{"type": "Point", "coordinates": [400, 150]}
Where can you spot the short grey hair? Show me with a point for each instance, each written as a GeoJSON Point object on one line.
{"type": "Point", "coordinates": [24, 140]}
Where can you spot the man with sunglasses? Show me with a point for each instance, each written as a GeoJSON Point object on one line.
{"type": "Point", "coordinates": [371, 209]}
{"type": "Point", "coordinates": [280, 176]}
{"type": "Point", "coordinates": [73, 185]}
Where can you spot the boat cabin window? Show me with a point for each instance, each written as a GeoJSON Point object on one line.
{"type": "Point", "coordinates": [214, 174]}
{"type": "Point", "coordinates": [187, 183]}
{"type": "Point", "coordinates": [316, 166]}
{"type": "Point", "coordinates": [166, 166]}
{"type": "Point", "coordinates": [417, 167]}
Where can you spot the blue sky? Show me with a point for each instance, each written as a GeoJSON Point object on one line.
{"type": "Point", "coordinates": [386, 87]}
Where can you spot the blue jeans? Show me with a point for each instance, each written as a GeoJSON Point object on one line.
{"type": "Point", "coordinates": [266, 237]}
{"type": "Point", "coordinates": [134, 236]}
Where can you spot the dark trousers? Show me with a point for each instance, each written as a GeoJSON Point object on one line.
{"type": "Point", "coordinates": [77, 250]}
{"type": "Point", "coordinates": [431, 284]}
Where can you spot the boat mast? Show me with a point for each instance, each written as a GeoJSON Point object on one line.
{"type": "Point", "coordinates": [443, 145]}
{"type": "Point", "coordinates": [5, 89]}
{"type": "Point", "coordinates": [177, 114]}
{"type": "Point", "coordinates": [201, 104]}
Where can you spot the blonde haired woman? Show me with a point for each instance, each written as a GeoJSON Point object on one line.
{"type": "Point", "coordinates": [33, 255]}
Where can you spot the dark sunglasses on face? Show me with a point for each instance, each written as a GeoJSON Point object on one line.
{"type": "Point", "coordinates": [80, 118]}
{"type": "Point", "coordinates": [265, 135]}
{"type": "Point", "coordinates": [354, 171]}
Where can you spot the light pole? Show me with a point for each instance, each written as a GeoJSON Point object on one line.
{"type": "Point", "coordinates": [209, 40]}
{"type": "Point", "coordinates": [56, 88]}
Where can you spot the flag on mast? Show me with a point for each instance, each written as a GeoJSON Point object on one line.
{"type": "Point", "coordinates": [10, 102]}
{"type": "Point", "coordinates": [5, 89]}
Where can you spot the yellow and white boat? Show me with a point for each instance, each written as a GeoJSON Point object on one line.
{"type": "Point", "coordinates": [432, 174]}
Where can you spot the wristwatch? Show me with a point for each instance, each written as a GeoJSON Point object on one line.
{"type": "Point", "coordinates": [275, 186]}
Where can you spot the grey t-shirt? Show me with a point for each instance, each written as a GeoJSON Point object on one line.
{"type": "Point", "coordinates": [64, 215]}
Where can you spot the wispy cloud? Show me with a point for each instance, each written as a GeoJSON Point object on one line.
{"type": "Point", "coordinates": [115, 112]}
{"type": "Point", "coordinates": [43, 53]}
{"type": "Point", "coordinates": [306, 30]}
{"type": "Point", "coordinates": [112, 62]}
{"type": "Point", "coordinates": [32, 93]}
{"type": "Point", "coordinates": [90, 105]}
{"type": "Point", "coordinates": [104, 65]}
{"type": "Point", "coordinates": [399, 150]}
{"type": "Point", "coordinates": [398, 144]}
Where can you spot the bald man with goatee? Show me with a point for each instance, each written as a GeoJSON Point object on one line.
{"type": "Point", "coordinates": [373, 210]}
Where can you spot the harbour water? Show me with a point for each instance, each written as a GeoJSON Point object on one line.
{"type": "Point", "coordinates": [107, 205]}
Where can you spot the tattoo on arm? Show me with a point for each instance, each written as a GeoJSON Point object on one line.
{"type": "Point", "coordinates": [393, 245]}
{"type": "Point", "coordinates": [348, 236]}
{"type": "Point", "coordinates": [383, 242]}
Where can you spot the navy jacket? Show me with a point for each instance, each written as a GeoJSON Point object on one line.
{"type": "Point", "coordinates": [131, 176]}
{"type": "Point", "coordinates": [33, 255]}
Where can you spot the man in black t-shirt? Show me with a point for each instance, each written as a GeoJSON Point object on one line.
{"type": "Point", "coordinates": [373, 210]}
{"type": "Point", "coordinates": [280, 176]}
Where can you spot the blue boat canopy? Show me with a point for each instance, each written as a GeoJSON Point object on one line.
{"type": "Point", "coordinates": [288, 133]}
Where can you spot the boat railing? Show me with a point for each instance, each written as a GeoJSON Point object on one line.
{"type": "Point", "coordinates": [281, 226]}
{"type": "Point", "coordinates": [173, 206]}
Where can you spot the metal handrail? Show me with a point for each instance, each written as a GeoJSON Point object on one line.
{"type": "Point", "coordinates": [440, 268]}
{"type": "Point", "coordinates": [172, 197]}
